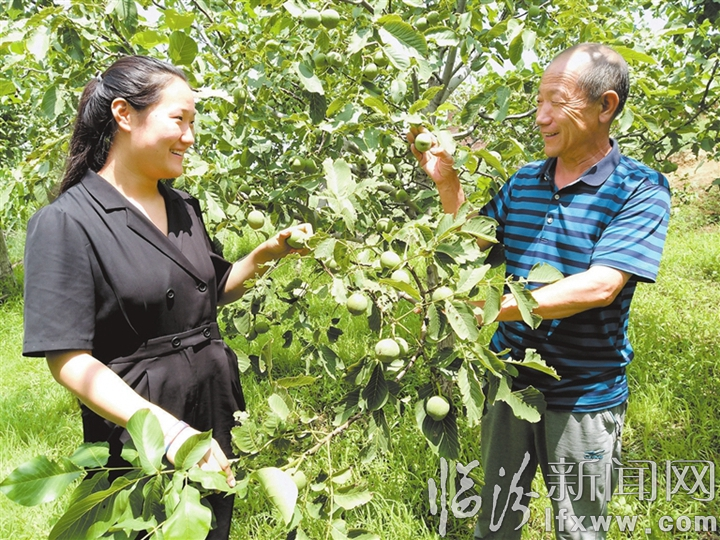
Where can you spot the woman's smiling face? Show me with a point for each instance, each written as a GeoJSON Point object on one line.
{"type": "Point", "coordinates": [163, 132]}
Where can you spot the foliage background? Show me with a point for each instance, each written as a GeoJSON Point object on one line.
{"type": "Point", "coordinates": [267, 97]}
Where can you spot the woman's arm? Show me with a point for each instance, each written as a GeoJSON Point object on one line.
{"type": "Point", "coordinates": [103, 391]}
{"type": "Point", "coordinates": [255, 264]}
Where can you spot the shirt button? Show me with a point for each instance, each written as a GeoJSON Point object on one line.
{"type": "Point", "coordinates": [175, 342]}
{"type": "Point", "coordinates": [202, 287]}
{"type": "Point", "coordinates": [170, 294]}
{"type": "Point", "coordinates": [550, 219]}
{"type": "Point", "coordinates": [206, 332]}
{"type": "Point", "coordinates": [556, 196]}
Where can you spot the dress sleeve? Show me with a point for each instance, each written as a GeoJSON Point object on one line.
{"type": "Point", "coordinates": [59, 304]}
{"type": "Point", "coordinates": [633, 241]}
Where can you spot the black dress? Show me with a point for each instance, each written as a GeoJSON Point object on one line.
{"type": "Point", "coordinates": [100, 276]}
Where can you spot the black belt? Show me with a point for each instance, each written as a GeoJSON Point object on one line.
{"type": "Point", "coordinates": [167, 344]}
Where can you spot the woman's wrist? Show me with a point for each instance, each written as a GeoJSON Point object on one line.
{"type": "Point", "coordinates": [173, 433]}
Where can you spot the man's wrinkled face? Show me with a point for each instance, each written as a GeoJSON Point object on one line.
{"type": "Point", "coordinates": [568, 121]}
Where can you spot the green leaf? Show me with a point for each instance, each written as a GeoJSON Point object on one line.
{"type": "Point", "coordinates": [192, 450]}
{"type": "Point", "coordinates": [126, 11]}
{"type": "Point", "coordinates": [214, 211]}
{"type": "Point", "coordinates": [492, 160]}
{"type": "Point", "coordinates": [516, 48]}
{"type": "Point", "coordinates": [7, 87]}
{"type": "Point", "coordinates": [437, 323]}
{"type": "Point", "coordinates": [376, 104]}
{"type": "Point", "coordinates": [91, 455]}
{"type": "Point", "coordinates": [90, 512]}
{"type": "Point", "coordinates": [481, 227]}
{"type": "Point", "coordinates": [149, 440]}
{"type": "Point", "coordinates": [318, 107]}
{"type": "Point", "coordinates": [450, 443]}
{"type": "Point", "coordinates": [632, 56]}
{"type": "Point", "coordinates": [278, 406]}
{"type": "Point", "coordinates": [376, 392]}
{"type": "Point", "coordinates": [544, 273]}
{"type": "Point", "coordinates": [39, 480]}
{"type": "Point", "coordinates": [211, 480]}
{"type": "Point", "coordinates": [462, 320]}
{"type": "Point", "coordinates": [408, 289]}
{"type": "Point", "coordinates": [339, 178]}
{"type": "Point", "coordinates": [52, 103]}
{"type": "Point", "coordinates": [397, 32]}
{"type": "Point", "coordinates": [296, 382]}
{"type": "Point", "coordinates": [469, 278]}
{"type": "Point", "coordinates": [444, 37]}
{"type": "Point", "coordinates": [190, 518]}
{"type": "Point", "coordinates": [527, 404]}
{"type": "Point", "coordinates": [183, 48]}
{"type": "Point", "coordinates": [351, 497]}
{"type": "Point", "coordinates": [280, 489]}
{"type": "Point", "coordinates": [489, 359]}
{"type": "Point", "coordinates": [493, 298]}
{"type": "Point", "coordinates": [526, 303]}
{"type": "Point", "coordinates": [308, 79]}
{"type": "Point", "coordinates": [533, 360]}
{"type": "Point", "coordinates": [471, 392]}
{"type": "Point", "coordinates": [178, 21]}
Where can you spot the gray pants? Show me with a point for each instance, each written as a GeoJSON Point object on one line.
{"type": "Point", "coordinates": [575, 452]}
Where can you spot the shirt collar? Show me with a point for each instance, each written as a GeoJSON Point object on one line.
{"type": "Point", "coordinates": [109, 197]}
{"type": "Point", "coordinates": [595, 175]}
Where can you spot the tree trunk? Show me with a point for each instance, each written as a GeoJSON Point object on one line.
{"type": "Point", "coordinates": [7, 278]}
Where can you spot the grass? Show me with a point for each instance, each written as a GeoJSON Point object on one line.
{"type": "Point", "coordinates": [673, 412]}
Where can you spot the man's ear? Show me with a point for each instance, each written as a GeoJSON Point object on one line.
{"type": "Point", "coordinates": [121, 111]}
{"type": "Point", "coordinates": [610, 102]}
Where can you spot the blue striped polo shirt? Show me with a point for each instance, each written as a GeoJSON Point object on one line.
{"type": "Point", "coordinates": [615, 215]}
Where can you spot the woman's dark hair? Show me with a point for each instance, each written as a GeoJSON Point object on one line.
{"type": "Point", "coordinates": [137, 79]}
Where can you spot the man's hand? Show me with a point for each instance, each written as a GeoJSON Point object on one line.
{"type": "Point", "coordinates": [436, 162]}
{"type": "Point", "coordinates": [438, 165]}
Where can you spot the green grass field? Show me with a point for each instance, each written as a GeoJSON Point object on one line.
{"type": "Point", "coordinates": [673, 414]}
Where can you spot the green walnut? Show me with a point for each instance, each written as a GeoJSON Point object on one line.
{"type": "Point", "coordinates": [437, 408]}
{"type": "Point", "coordinates": [329, 18]}
{"type": "Point", "coordinates": [423, 142]}
{"type": "Point", "coordinates": [401, 275]}
{"type": "Point", "coordinates": [297, 239]}
{"type": "Point", "coordinates": [312, 18]}
{"type": "Point", "coordinates": [387, 350]}
{"type": "Point", "coordinates": [390, 260]}
{"type": "Point", "coordinates": [357, 303]}
{"type": "Point", "coordinates": [442, 293]}
{"type": "Point", "coordinates": [300, 480]}
{"type": "Point", "coordinates": [256, 219]}
{"type": "Point", "coordinates": [261, 327]}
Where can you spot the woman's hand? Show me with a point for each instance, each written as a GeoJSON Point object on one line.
{"type": "Point", "coordinates": [214, 459]}
{"type": "Point", "coordinates": [277, 247]}
{"type": "Point", "coordinates": [255, 264]}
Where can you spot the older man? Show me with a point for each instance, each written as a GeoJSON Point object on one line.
{"type": "Point", "coordinates": [601, 219]}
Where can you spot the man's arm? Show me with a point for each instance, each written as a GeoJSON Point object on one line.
{"type": "Point", "coordinates": [596, 287]}
{"type": "Point", "coordinates": [439, 166]}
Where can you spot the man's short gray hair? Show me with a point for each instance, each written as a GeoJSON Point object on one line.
{"type": "Point", "coordinates": [607, 70]}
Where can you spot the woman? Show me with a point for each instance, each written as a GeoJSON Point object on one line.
{"type": "Point", "coordinates": [121, 282]}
